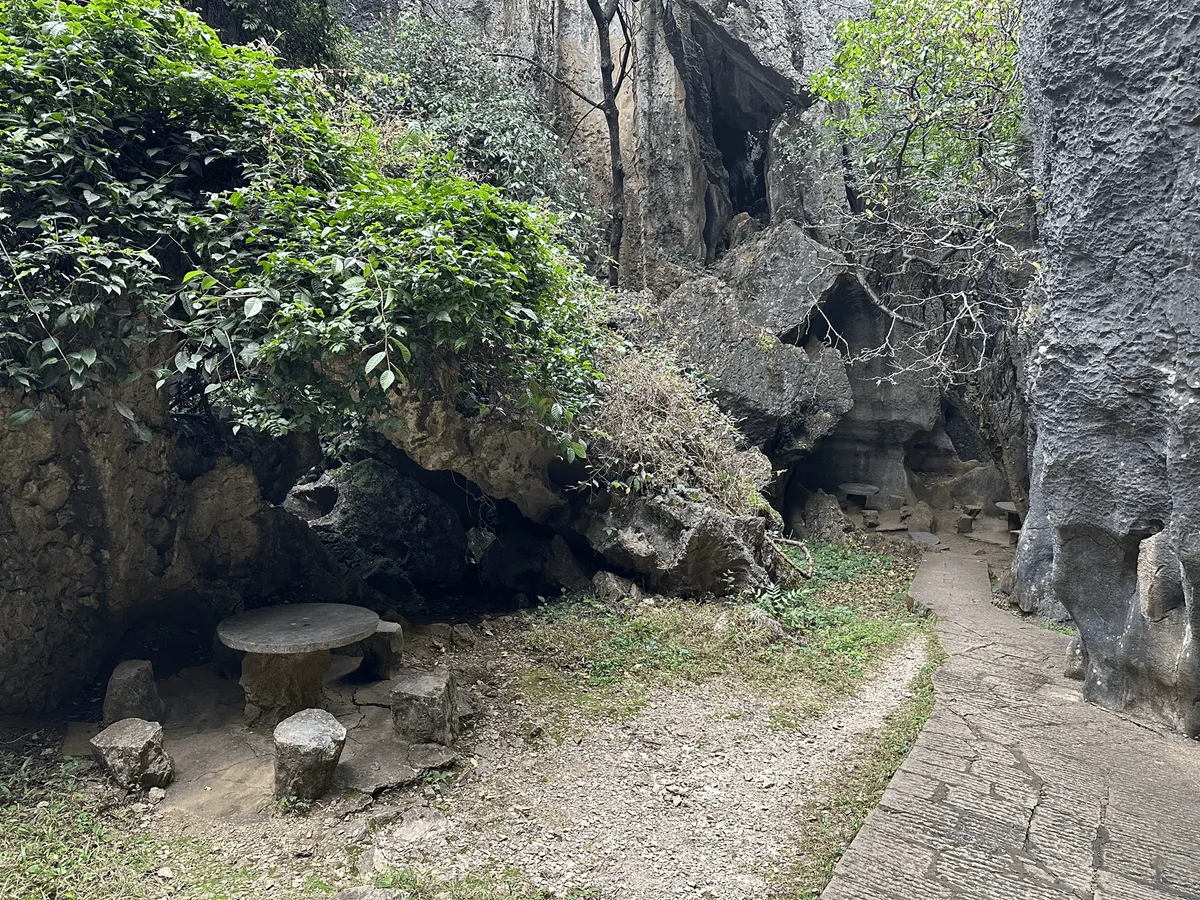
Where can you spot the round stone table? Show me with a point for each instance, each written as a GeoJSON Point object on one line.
{"type": "Point", "coordinates": [862, 492]}
{"type": "Point", "coordinates": [287, 653]}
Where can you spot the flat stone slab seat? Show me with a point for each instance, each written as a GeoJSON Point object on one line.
{"type": "Point", "coordinates": [131, 751]}
{"type": "Point", "coordinates": [424, 706]}
{"type": "Point", "coordinates": [383, 652]}
{"type": "Point", "coordinates": [132, 693]}
{"type": "Point", "coordinates": [307, 748]}
{"type": "Point", "coordinates": [287, 653]}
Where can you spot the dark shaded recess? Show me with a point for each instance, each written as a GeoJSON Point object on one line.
{"type": "Point", "coordinates": [732, 101]}
{"type": "Point", "coordinates": [844, 319]}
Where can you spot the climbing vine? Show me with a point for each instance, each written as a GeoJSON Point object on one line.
{"type": "Point", "coordinates": [174, 208]}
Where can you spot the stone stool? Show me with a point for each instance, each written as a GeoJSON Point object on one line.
{"type": "Point", "coordinates": [424, 706]}
{"type": "Point", "coordinates": [307, 748]}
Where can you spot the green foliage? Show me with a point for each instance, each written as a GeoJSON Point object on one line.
{"type": "Point", "coordinates": [303, 32]}
{"type": "Point", "coordinates": [417, 71]}
{"type": "Point", "coordinates": [177, 207]}
{"type": "Point", "coordinates": [927, 91]}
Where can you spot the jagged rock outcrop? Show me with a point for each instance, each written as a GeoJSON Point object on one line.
{"type": "Point", "coordinates": [1115, 379]}
{"type": "Point", "coordinates": [398, 536]}
{"type": "Point", "coordinates": [748, 326]}
{"type": "Point", "coordinates": [678, 547]}
{"type": "Point", "coordinates": [111, 547]}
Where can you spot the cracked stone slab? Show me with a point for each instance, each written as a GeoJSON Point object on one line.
{"type": "Point", "coordinates": [1016, 786]}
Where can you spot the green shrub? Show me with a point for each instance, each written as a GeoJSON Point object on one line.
{"type": "Point", "coordinates": [170, 205]}
{"type": "Point", "coordinates": [303, 32]}
{"type": "Point", "coordinates": [412, 70]}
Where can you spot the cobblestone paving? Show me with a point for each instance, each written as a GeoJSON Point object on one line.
{"type": "Point", "coordinates": [1016, 787]}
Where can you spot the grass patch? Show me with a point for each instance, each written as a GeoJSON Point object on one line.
{"type": "Point", "coordinates": [804, 648]}
{"type": "Point", "coordinates": [829, 823]}
{"type": "Point", "coordinates": [66, 834]}
{"type": "Point", "coordinates": [420, 885]}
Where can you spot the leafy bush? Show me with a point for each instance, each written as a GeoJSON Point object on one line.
{"type": "Point", "coordinates": [175, 206]}
{"type": "Point", "coordinates": [928, 93]}
{"type": "Point", "coordinates": [303, 32]}
{"type": "Point", "coordinates": [417, 70]}
{"type": "Point", "coordinates": [656, 429]}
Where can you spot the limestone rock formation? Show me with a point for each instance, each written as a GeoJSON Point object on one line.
{"type": "Point", "coordinates": [131, 751]}
{"type": "Point", "coordinates": [132, 693]}
{"type": "Point", "coordinates": [401, 538]}
{"type": "Point", "coordinates": [111, 546]}
{"type": "Point", "coordinates": [679, 547]}
{"type": "Point", "coordinates": [1115, 378]}
{"type": "Point", "coordinates": [307, 747]}
{"type": "Point", "coordinates": [748, 326]}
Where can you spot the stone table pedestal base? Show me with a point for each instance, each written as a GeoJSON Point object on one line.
{"type": "Point", "coordinates": [278, 685]}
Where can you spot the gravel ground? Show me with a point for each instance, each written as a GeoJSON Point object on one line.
{"type": "Point", "coordinates": [696, 796]}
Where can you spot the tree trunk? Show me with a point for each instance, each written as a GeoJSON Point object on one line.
{"type": "Point", "coordinates": [603, 14]}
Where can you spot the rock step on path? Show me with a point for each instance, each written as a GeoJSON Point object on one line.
{"type": "Point", "coordinates": [1017, 788]}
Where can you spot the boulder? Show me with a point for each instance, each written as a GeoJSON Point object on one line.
{"type": "Point", "coordinates": [424, 706]}
{"type": "Point", "coordinates": [400, 537]}
{"type": "Point", "coordinates": [132, 693]}
{"type": "Point", "coordinates": [821, 519]}
{"type": "Point", "coordinates": [750, 333]}
{"type": "Point", "coordinates": [307, 748]}
{"type": "Point", "coordinates": [679, 547]}
{"type": "Point", "coordinates": [920, 518]}
{"type": "Point", "coordinates": [383, 652]}
{"type": "Point", "coordinates": [610, 588]}
{"type": "Point", "coordinates": [1076, 664]}
{"type": "Point", "coordinates": [1114, 381]}
{"type": "Point", "coordinates": [131, 751]}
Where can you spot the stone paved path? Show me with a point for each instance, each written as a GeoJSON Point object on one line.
{"type": "Point", "coordinates": [1016, 787]}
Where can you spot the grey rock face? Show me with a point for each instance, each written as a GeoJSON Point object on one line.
{"type": "Point", "coordinates": [681, 548]}
{"type": "Point", "coordinates": [749, 329]}
{"type": "Point", "coordinates": [399, 536]}
{"type": "Point", "coordinates": [424, 706]}
{"type": "Point", "coordinates": [383, 652]}
{"type": "Point", "coordinates": [821, 519]}
{"type": "Point", "coordinates": [118, 549]}
{"type": "Point", "coordinates": [307, 747]}
{"type": "Point", "coordinates": [132, 693]}
{"type": "Point", "coordinates": [1115, 379]}
{"type": "Point", "coordinates": [131, 751]}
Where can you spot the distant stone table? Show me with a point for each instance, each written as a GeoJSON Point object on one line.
{"type": "Point", "coordinates": [862, 492]}
{"type": "Point", "coordinates": [1014, 516]}
{"type": "Point", "coordinates": [287, 653]}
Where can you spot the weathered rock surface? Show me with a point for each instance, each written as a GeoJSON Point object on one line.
{"type": "Point", "coordinates": [131, 751]}
{"type": "Point", "coordinates": [400, 537]}
{"type": "Point", "coordinates": [818, 517]}
{"type": "Point", "coordinates": [1115, 379]}
{"type": "Point", "coordinates": [424, 706]}
{"type": "Point", "coordinates": [132, 693]}
{"type": "Point", "coordinates": [611, 588]}
{"type": "Point", "coordinates": [277, 685]}
{"type": "Point", "coordinates": [745, 329]}
{"type": "Point", "coordinates": [307, 747]}
{"type": "Point", "coordinates": [679, 547]}
{"type": "Point", "coordinates": [111, 547]}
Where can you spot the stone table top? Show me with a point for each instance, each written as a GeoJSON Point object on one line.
{"type": "Point", "coordinates": [861, 490]}
{"type": "Point", "coordinates": [1007, 506]}
{"type": "Point", "coordinates": [297, 628]}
